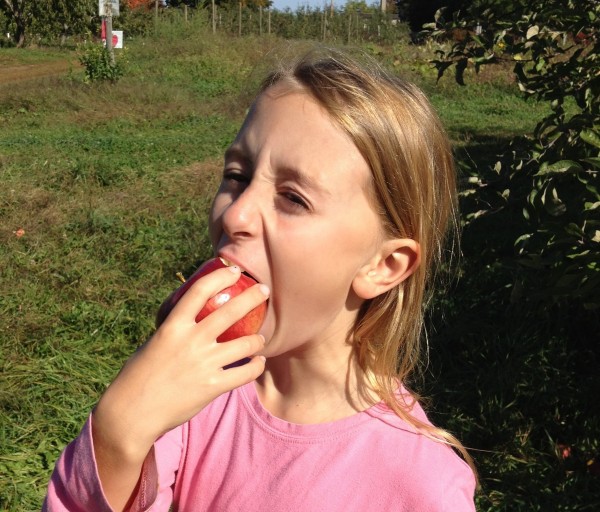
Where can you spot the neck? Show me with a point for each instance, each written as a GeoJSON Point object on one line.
{"type": "Point", "coordinates": [316, 385]}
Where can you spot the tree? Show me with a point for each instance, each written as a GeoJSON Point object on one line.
{"type": "Point", "coordinates": [419, 12]}
{"type": "Point", "coordinates": [547, 184]}
{"type": "Point", "coordinates": [189, 3]}
{"type": "Point", "coordinates": [16, 10]}
{"type": "Point", "coordinates": [63, 17]}
{"type": "Point", "coordinates": [49, 17]}
{"type": "Point", "coordinates": [525, 314]}
{"type": "Point", "coordinates": [139, 4]}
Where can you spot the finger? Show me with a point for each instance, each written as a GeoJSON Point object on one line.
{"type": "Point", "coordinates": [239, 375]}
{"type": "Point", "coordinates": [235, 309]}
{"type": "Point", "coordinates": [238, 349]}
{"type": "Point", "coordinates": [196, 296]}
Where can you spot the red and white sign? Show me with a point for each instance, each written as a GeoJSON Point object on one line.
{"type": "Point", "coordinates": [117, 39]}
{"type": "Point", "coordinates": [117, 36]}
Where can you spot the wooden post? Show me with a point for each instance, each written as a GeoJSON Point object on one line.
{"type": "Point", "coordinates": [185, 12]}
{"type": "Point", "coordinates": [260, 20]}
{"type": "Point", "coordinates": [108, 25]}
{"type": "Point", "coordinates": [269, 20]}
{"type": "Point", "coordinates": [240, 21]}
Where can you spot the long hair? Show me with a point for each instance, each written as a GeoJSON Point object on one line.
{"type": "Point", "coordinates": [395, 128]}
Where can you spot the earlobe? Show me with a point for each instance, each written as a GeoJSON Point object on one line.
{"type": "Point", "coordinates": [397, 260]}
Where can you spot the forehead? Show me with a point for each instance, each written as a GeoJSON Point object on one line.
{"type": "Point", "coordinates": [290, 129]}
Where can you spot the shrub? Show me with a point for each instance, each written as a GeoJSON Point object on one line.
{"type": "Point", "coordinates": [99, 65]}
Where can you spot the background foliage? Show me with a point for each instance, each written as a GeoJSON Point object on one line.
{"type": "Point", "coordinates": [104, 195]}
{"type": "Point", "coordinates": [531, 216]}
{"type": "Point", "coordinates": [72, 22]}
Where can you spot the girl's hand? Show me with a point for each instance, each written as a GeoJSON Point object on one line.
{"type": "Point", "coordinates": [176, 373]}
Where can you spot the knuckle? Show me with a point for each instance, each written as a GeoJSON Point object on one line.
{"type": "Point", "coordinates": [212, 382]}
{"type": "Point", "coordinates": [255, 342]}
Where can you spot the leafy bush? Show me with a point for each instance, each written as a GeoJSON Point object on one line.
{"type": "Point", "coordinates": [553, 176]}
{"type": "Point", "coordinates": [137, 21]}
{"type": "Point", "coordinates": [99, 65]}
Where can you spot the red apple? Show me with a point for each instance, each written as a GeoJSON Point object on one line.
{"type": "Point", "coordinates": [249, 324]}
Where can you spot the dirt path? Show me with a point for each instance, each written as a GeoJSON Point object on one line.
{"type": "Point", "coordinates": [11, 74]}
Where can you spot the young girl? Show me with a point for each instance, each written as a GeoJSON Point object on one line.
{"type": "Point", "coordinates": [336, 196]}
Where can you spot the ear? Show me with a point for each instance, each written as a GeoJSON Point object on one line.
{"type": "Point", "coordinates": [396, 260]}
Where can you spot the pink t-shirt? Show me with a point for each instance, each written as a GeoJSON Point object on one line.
{"type": "Point", "coordinates": [235, 456]}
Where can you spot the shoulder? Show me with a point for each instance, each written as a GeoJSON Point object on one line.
{"type": "Point", "coordinates": [439, 478]}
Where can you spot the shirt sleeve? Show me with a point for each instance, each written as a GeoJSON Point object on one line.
{"type": "Point", "coordinates": [75, 485]}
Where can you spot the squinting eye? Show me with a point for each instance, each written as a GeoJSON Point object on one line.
{"type": "Point", "coordinates": [235, 176]}
{"type": "Point", "coordinates": [296, 200]}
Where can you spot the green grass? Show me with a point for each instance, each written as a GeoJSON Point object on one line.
{"type": "Point", "coordinates": [15, 56]}
{"type": "Point", "coordinates": [111, 184]}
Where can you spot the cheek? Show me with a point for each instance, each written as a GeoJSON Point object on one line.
{"type": "Point", "coordinates": [316, 270]}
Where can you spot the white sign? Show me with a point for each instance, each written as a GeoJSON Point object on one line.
{"type": "Point", "coordinates": [117, 39]}
{"type": "Point", "coordinates": [102, 7]}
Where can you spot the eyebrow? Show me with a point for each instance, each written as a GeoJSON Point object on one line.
{"type": "Point", "coordinates": [305, 181]}
{"type": "Point", "coordinates": [236, 153]}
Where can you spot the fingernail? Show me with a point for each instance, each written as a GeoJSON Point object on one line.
{"type": "Point", "coordinates": [263, 358]}
{"type": "Point", "coordinates": [264, 289]}
{"type": "Point", "coordinates": [235, 269]}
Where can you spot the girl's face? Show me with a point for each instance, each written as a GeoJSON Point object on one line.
{"type": "Point", "coordinates": [292, 210]}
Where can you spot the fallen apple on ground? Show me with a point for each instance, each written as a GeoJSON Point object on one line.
{"type": "Point", "coordinates": [249, 324]}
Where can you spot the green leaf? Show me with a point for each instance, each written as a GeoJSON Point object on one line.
{"type": "Point", "coordinates": [553, 204]}
{"type": "Point", "coordinates": [461, 65]}
{"type": "Point", "coordinates": [532, 31]}
{"type": "Point", "coordinates": [592, 206]}
{"type": "Point", "coordinates": [441, 68]}
{"type": "Point", "coordinates": [591, 137]}
{"type": "Point", "coordinates": [484, 59]}
{"type": "Point", "coordinates": [560, 167]}
{"type": "Point", "coordinates": [522, 238]}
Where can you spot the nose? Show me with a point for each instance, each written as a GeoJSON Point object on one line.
{"type": "Point", "coordinates": [241, 218]}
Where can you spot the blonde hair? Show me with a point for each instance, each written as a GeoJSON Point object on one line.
{"type": "Point", "coordinates": [395, 128]}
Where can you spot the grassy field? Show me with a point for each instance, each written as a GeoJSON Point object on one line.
{"type": "Point", "coordinates": [110, 185]}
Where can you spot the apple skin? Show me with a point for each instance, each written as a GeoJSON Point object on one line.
{"type": "Point", "coordinates": [249, 324]}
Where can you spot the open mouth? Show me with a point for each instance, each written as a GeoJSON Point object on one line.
{"type": "Point", "coordinates": [249, 275]}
